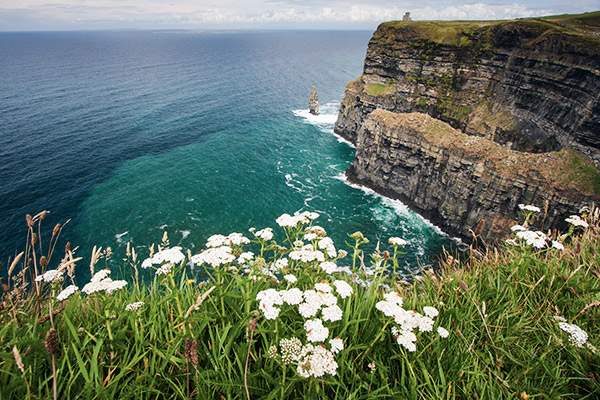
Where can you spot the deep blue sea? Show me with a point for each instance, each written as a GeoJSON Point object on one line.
{"type": "Point", "coordinates": [130, 134]}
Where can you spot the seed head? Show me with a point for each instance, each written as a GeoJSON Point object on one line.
{"type": "Point", "coordinates": [56, 230]}
{"type": "Point", "coordinates": [51, 342]}
{"type": "Point", "coordinates": [29, 220]}
{"type": "Point", "coordinates": [464, 286]}
{"type": "Point", "coordinates": [43, 261]}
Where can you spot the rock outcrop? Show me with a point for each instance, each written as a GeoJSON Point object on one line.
{"type": "Point", "coordinates": [529, 87]}
{"type": "Point", "coordinates": [313, 102]}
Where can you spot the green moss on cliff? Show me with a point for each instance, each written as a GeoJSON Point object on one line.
{"type": "Point", "coordinates": [377, 89]}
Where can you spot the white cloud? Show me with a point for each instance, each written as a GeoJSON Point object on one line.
{"type": "Point", "coordinates": [261, 13]}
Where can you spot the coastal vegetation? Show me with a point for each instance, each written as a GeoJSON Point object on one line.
{"type": "Point", "coordinates": [284, 313]}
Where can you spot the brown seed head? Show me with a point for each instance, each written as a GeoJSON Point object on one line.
{"type": "Point", "coordinates": [464, 286]}
{"type": "Point", "coordinates": [252, 325]}
{"type": "Point", "coordinates": [194, 353]}
{"type": "Point", "coordinates": [29, 220]}
{"type": "Point", "coordinates": [386, 255]}
{"type": "Point", "coordinates": [188, 347]}
{"type": "Point", "coordinates": [43, 261]}
{"type": "Point", "coordinates": [56, 230]}
{"type": "Point", "coordinates": [43, 215]}
{"type": "Point", "coordinates": [51, 342]}
{"type": "Point", "coordinates": [67, 247]}
{"type": "Point", "coordinates": [33, 238]}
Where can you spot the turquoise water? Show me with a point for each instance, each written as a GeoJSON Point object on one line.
{"type": "Point", "coordinates": [133, 134]}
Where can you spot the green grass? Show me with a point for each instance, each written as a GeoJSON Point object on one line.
{"type": "Point", "coordinates": [377, 89]}
{"type": "Point", "coordinates": [499, 308]}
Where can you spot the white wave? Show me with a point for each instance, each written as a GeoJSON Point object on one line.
{"type": "Point", "coordinates": [397, 206]}
{"type": "Point", "coordinates": [184, 234]}
{"type": "Point", "coordinates": [319, 120]}
{"type": "Point", "coordinates": [119, 236]}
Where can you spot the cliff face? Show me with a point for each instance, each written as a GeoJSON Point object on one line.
{"type": "Point", "coordinates": [525, 86]}
{"type": "Point", "coordinates": [462, 182]}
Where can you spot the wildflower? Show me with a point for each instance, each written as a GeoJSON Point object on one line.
{"type": "Point", "coordinates": [358, 236]}
{"type": "Point", "coordinates": [101, 282]}
{"type": "Point", "coordinates": [100, 275]}
{"type": "Point", "coordinates": [578, 336]}
{"type": "Point", "coordinates": [265, 234]}
{"type": "Point", "coordinates": [332, 313]}
{"type": "Point", "coordinates": [291, 350]}
{"type": "Point", "coordinates": [292, 296]}
{"type": "Point", "coordinates": [309, 309]}
{"type": "Point", "coordinates": [307, 255]}
{"type": "Point", "coordinates": [396, 241]}
{"type": "Point", "coordinates": [316, 361]}
{"type": "Point", "coordinates": [511, 242]}
{"type": "Point", "coordinates": [407, 339]}
{"type": "Point", "coordinates": [372, 366]}
{"type": "Point", "coordinates": [173, 256]}
{"type": "Point", "coordinates": [51, 276]}
{"type": "Point", "coordinates": [343, 288]}
{"type": "Point", "coordinates": [327, 245]}
{"type": "Point", "coordinates": [217, 241]}
{"type": "Point", "coordinates": [165, 269]}
{"type": "Point", "coordinates": [281, 264]}
{"type": "Point", "coordinates": [431, 312]}
{"type": "Point", "coordinates": [557, 245]}
{"type": "Point", "coordinates": [245, 257]}
{"type": "Point", "coordinates": [328, 266]}
{"type": "Point", "coordinates": [290, 278]}
{"type": "Point", "coordinates": [68, 291]}
{"type": "Point", "coordinates": [529, 207]}
{"type": "Point", "coordinates": [394, 298]}
{"type": "Point", "coordinates": [271, 313]}
{"type": "Point", "coordinates": [337, 345]}
{"type": "Point", "coordinates": [323, 287]}
{"type": "Point", "coordinates": [272, 352]}
{"type": "Point", "coordinates": [536, 239]}
{"type": "Point", "coordinates": [576, 221]}
{"type": "Point", "coordinates": [310, 236]}
{"type": "Point", "coordinates": [515, 228]}
{"type": "Point", "coordinates": [318, 230]}
{"type": "Point", "coordinates": [286, 220]}
{"type": "Point", "coordinates": [442, 332]}
{"type": "Point", "coordinates": [237, 239]}
{"type": "Point", "coordinates": [215, 256]}
{"type": "Point", "coordinates": [310, 215]}
{"type": "Point", "coordinates": [134, 306]}
{"type": "Point", "coordinates": [342, 253]}
{"type": "Point", "coordinates": [315, 331]}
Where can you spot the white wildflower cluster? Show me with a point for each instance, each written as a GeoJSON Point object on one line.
{"type": "Point", "coordinates": [529, 207]}
{"type": "Point", "coordinates": [290, 278]}
{"type": "Point", "coordinates": [214, 256]}
{"type": "Point", "coordinates": [577, 336]}
{"type": "Point", "coordinates": [326, 244]}
{"type": "Point", "coordinates": [291, 350]}
{"type": "Point", "coordinates": [265, 234]}
{"type": "Point", "coordinates": [165, 269]}
{"type": "Point", "coordinates": [50, 276]}
{"type": "Point", "coordinates": [279, 264]}
{"type": "Point", "coordinates": [67, 292]}
{"type": "Point", "coordinates": [134, 306]}
{"type": "Point", "coordinates": [172, 256]}
{"type": "Point", "coordinates": [286, 220]}
{"type": "Point", "coordinates": [245, 257]}
{"type": "Point", "coordinates": [307, 254]}
{"type": "Point", "coordinates": [536, 239]}
{"type": "Point", "coordinates": [316, 331]}
{"type": "Point", "coordinates": [329, 267]}
{"type": "Point", "coordinates": [101, 282]}
{"type": "Point", "coordinates": [314, 232]}
{"type": "Point", "coordinates": [408, 320]}
{"type": "Point", "coordinates": [343, 288]}
{"type": "Point", "coordinates": [577, 221]}
{"type": "Point", "coordinates": [316, 361]}
{"type": "Point", "coordinates": [396, 241]}
{"type": "Point", "coordinates": [233, 239]}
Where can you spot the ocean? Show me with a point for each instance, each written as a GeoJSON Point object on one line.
{"type": "Point", "coordinates": [131, 134]}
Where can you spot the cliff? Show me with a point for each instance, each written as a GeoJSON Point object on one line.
{"type": "Point", "coordinates": [528, 89]}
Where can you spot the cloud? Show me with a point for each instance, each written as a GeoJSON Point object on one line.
{"type": "Point", "coordinates": [94, 14]}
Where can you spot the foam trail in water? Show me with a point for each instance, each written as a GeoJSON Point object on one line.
{"type": "Point", "coordinates": [399, 207]}
{"type": "Point", "coordinates": [325, 120]}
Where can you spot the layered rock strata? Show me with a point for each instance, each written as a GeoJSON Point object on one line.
{"type": "Point", "coordinates": [462, 182]}
{"type": "Point", "coordinates": [464, 121]}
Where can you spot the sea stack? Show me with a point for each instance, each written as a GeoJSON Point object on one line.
{"type": "Point", "coordinates": [313, 102]}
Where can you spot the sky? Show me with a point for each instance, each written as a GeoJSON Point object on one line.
{"type": "Point", "coordinates": [41, 15]}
